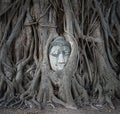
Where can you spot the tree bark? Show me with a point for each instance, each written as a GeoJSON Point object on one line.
{"type": "Point", "coordinates": [92, 73]}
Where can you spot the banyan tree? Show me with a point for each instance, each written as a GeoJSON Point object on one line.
{"type": "Point", "coordinates": [59, 53]}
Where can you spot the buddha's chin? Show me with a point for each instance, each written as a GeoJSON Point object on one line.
{"type": "Point", "coordinates": [61, 67]}
{"type": "Point", "coordinates": [58, 67]}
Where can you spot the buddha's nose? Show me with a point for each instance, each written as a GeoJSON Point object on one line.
{"type": "Point", "coordinates": [61, 59]}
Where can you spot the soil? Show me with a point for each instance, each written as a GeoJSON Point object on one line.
{"type": "Point", "coordinates": [58, 111]}
{"type": "Point", "coordinates": [92, 109]}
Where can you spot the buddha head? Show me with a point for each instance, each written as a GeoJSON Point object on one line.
{"type": "Point", "coordinates": [59, 52]}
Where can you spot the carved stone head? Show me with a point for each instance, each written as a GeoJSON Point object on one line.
{"type": "Point", "coordinates": [59, 52]}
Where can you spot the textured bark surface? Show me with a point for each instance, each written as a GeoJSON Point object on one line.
{"type": "Point", "coordinates": [92, 74]}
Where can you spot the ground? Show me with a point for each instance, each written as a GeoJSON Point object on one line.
{"type": "Point", "coordinates": [59, 111]}
{"type": "Point", "coordinates": [86, 110]}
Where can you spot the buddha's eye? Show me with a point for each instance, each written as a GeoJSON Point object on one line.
{"type": "Point", "coordinates": [55, 53]}
{"type": "Point", "coordinates": [66, 53]}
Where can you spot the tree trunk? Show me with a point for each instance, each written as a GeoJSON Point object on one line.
{"type": "Point", "coordinates": [92, 72]}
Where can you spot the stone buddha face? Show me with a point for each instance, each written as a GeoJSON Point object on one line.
{"type": "Point", "coordinates": [59, 52]}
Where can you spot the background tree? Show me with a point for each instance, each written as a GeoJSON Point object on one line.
{"type": "Point", "coordinates": [92, 27]}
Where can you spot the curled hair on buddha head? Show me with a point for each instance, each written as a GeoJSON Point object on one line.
{"type": "Point", "coordinates": [59, 41]}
